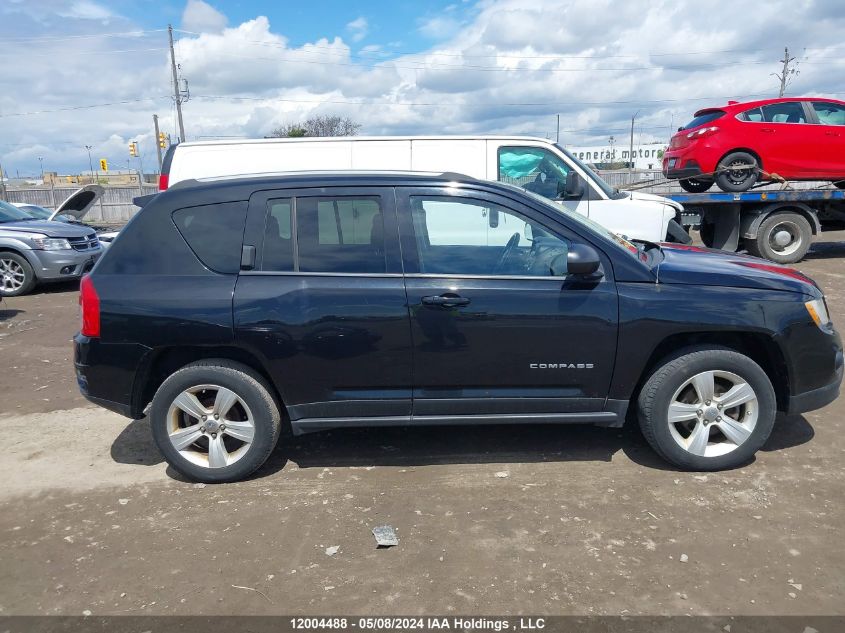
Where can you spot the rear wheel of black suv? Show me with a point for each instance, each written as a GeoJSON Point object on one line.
{"type": "Point", "coordinates": [215, 421]}
{"type": "Point", "coordinates": [707, 409]}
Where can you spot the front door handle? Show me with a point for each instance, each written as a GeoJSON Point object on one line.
{"type": "Point", "coordinates": [445, 300]}
{"type": "Point", "coordinates": [767, 129]}
{"type": "Point", "coordinates": [832, 133]}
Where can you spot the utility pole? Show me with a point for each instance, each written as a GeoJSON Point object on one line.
{"type": "Point", "coordinates": [557, 137]}
{"type": "Point", "coordinates": [2, 183]}
{"type": "Point", "coordinates": [631, 148]}
{"type": "Point", "coordinates": [784, 75]}
{"type": "Point", "coordinates": [157, 141]}
{"type": "Point", "coordinates": [90, 162]}
{"type": "Point", "coordinates": [41, 162]}
{"type": "Point", "coordinates": [177, 95]}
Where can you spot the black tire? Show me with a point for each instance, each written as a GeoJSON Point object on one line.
{"type": "Point", "coordinates": [11, 263]}
{"type": "Point", "coordinates": [707, 231]}
{"type": "Point", "coordinates": [695, 185]}
{"type": "Point", "coordinates": [840, 184]}
{"type": "Point", "coordinates": [658, 391]}
{"type": "Point", "coordinates": [252, 390]}
{"type": "Point", "coordinates": [766, 245]}
{"type": "Point", "coordinates": [737, 180]}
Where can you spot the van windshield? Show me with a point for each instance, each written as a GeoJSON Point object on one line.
{"type": "Point", "coordinates": [609, 191]}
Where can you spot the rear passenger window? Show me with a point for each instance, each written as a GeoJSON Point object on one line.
{"type": "Point", "coordinates": [215, 233]}
{"type": "Point", "coordinates": [333, 235]}
{"type": "Point", "coordinates": [340, 235]}
{"type": "Point", "coordinates": [786, 112]}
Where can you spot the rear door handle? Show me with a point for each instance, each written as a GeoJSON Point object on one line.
{"type": "Point", "coordinates": [445, 300]}
{"type": "Point", "coordinates": [832, 133]}
{"type": "Point", "coordinates": [767, 129]}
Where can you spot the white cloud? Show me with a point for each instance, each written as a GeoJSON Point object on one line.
{"type": "Point", "coordinates": [505, 67]}
{"type": "Point", "coordinates": [201, 17]}
{"type": "Point", "coordinates": [86, 10]}
{"type": "Point", "coordinates": [358, 28]}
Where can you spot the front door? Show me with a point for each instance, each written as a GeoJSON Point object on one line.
{"type": "Point", "coordinates": [828, 140]}
{"type": "Point", "coordinates": [493, 332]}
{"type": "Point", "coordinates": [323, 303]}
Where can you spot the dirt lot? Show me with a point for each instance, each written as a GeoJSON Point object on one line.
{"type": "Point", "coordinates": [587, 520]}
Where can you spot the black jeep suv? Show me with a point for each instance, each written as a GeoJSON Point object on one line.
{"type": "Point", "coordinates": [326, 300]}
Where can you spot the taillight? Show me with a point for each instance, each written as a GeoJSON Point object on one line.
{"type": "Point", "coordinates": [163, 181]}
{"type": "Point", "coordinates": [89, 302]}
{"type": "Point", "coordinates": [702, 132]}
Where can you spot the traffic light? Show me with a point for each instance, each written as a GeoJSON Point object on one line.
{"type": "Point", "coordinates": [133, 148]}
{"type": "Point", "coordinates": [104, 165]}
{"type": "Point", "coordinates": [162, 140]}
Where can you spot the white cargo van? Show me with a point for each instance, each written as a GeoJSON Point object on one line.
{"type": "Point", "coordinates": [532, 163]}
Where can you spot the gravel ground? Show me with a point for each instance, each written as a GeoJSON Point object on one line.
{"type": "Point", "coordinates": [552, 520]}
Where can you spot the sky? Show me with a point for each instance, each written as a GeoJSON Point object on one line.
{"type": "Point", "coordinates": [91, 72]}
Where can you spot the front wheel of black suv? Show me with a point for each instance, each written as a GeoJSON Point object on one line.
{"type": "Point", "coordinates": [215, 421]}
{"type": "Point", "coordinates": [707, 409]}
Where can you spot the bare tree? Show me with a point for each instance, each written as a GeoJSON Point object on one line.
{"type": "Point", "coordinates": [322, 125]}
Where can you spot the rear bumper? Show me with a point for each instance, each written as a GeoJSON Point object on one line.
{"type": "Point", "coordinates": [66, 264]}
{"type": "Point", "coordinates": [821, 397]}
{"type": "Point", "coordinates": [105, 373]}
{"type": "Point", "coordinates": [690, 169]}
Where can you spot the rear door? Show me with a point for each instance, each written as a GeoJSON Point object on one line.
{"type": "Point", "coordinates": [494, 333]}
{"type": "Point", "coordinates": [323, 302]}
{"type": "Point", "coordinates": [782, 138]}
{"type": "Point", "coordinates": [829, 137]}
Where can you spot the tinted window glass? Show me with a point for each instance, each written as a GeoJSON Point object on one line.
{"type": "Point", "coordinates": [344, 235]}
{"type": "Point", "coordinates": [215, 233]}
{"type": "Point", "coordinates": [472, 237]}
{"type": "Point", "coordinates": [754, 114]}
{"type": "Point", "coordinates": [278, 245]}
{"type": "Point", "coordinates": [534, 169]}
{"type": "Point", "coordinates": [829, 113]}
{"type": "Point", "coordinates": [789, 112]}
{"type": "Point", "coordinates": [701, 119]}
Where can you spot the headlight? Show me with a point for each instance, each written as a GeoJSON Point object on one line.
{"type": "Point", "coordinates": [818, 311]}
{"type": "Point", "coordinates": [51, 243]}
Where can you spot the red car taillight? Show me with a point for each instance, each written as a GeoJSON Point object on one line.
{"type": "Point", "coordinates": [163, 181]}
{"type": "Point", "coordinates": [89, 302]}
{"type": "Point", "coordinates": [702, 132]}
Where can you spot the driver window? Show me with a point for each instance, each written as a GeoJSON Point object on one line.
{"type": "Point", "coordinates": [459, 236]}
{"type": "Point", "coordinates": [535, 169]}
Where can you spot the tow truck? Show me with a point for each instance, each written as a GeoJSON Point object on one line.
{"type": "Point", "coordinates": [775, 224]}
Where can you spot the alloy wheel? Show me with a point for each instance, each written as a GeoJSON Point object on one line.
{"type": "Point", "coordinates": [713, 413]}
{"type": "Point", "coordinates": [12, 275]}
{"type": "Point", "coordinates": [210, 425]}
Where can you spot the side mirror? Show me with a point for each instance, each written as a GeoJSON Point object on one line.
{"type": "Point", "coordinates": [528, 232]}
{"type": "Point", "coordinates": [574, 186]}
{"type": "Point", "coordinates": [583, 261]}
{"type": "Point", "coordinates": [680, 129]}
{"type": "Point", "coordinates": [492, 218]}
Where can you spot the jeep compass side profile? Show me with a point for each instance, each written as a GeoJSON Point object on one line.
{"type": "Point", "coordinates": [229, 307]}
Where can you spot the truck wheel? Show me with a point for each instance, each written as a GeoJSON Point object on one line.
{"type": "Point", "coordinates": [215, 421]}
{"type": "Point", "coordinates": [732, 176]}
{"type": "Point", "coordinates": [707, 409]}
{"type": "Point", "coordinates": [782, 237]}
{"type": "Point", "coordinates": [695, 185]}
{"type": "Point", "coordinates": [16, 275]}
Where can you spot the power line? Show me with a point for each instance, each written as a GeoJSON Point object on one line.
{"type": "Point", "coordinates": [58, 38]}
{"type": "Point", "coordinates": [81, 107]}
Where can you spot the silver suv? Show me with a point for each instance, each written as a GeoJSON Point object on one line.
{"type": "Point", "coordinates": [34, 251]}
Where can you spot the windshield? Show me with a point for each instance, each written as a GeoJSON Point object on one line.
{"type": "Point", "coordinates": [9, 213]}
{"type": "Point", "coordinates": [36, 212]}
{"type": "Point", "coordinates": [589, 224]}
{"type": "Point", "coordinates": [705, 117]}
{"type": "Point", "coordinates": [609, 191]}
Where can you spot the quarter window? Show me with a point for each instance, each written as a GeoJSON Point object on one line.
{"type": "Point", "coordinates": [473, 237]}
{"type": "Point", "coordinates": [829, 113]}
{"type": "Point", "coordinates": [215, 233]}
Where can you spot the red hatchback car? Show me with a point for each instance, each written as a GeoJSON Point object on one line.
{"type": "Point", "coordinates": [740, 144]}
